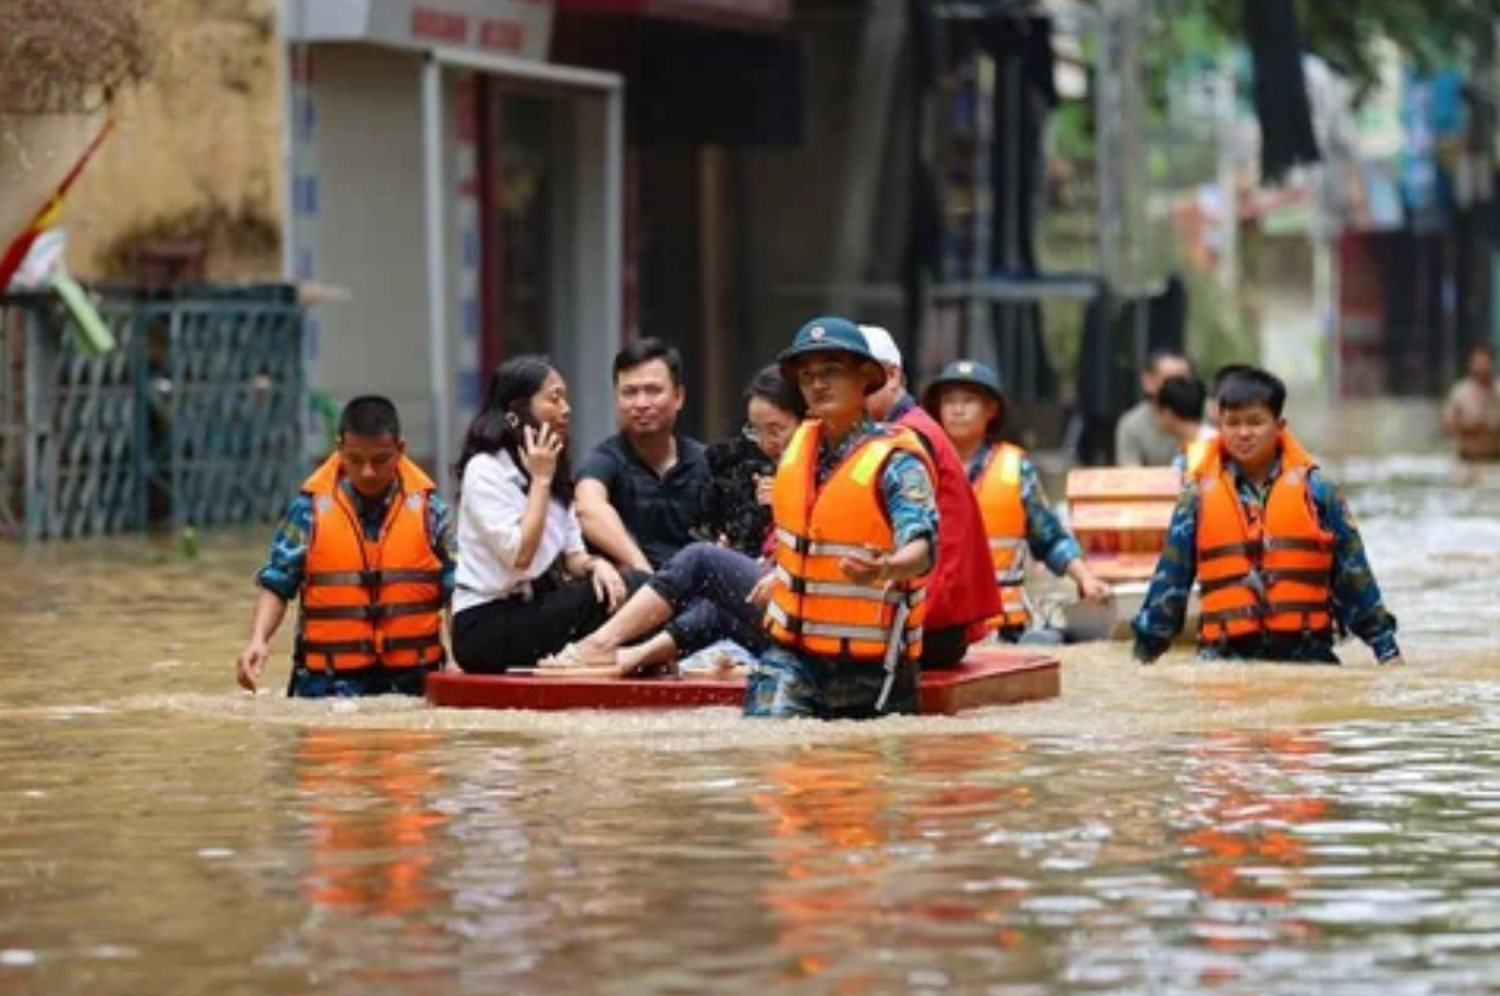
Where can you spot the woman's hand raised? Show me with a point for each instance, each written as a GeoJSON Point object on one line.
{"type": "Point", "coordinates": [541, 453]}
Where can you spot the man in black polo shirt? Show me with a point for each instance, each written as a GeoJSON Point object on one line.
{"type": "Point", "coordinates": [641, 491]}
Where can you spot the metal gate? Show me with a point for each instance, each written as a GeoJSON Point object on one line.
{"type": "Point", "coordinates": [196, 418]}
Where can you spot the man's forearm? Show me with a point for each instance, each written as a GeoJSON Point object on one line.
{"type": "Point", "coordinates": [912, 560]}
{"type": "Point", "coordinates": [270, 609]}
{"type": "Point", "coordinates": [606, 533]}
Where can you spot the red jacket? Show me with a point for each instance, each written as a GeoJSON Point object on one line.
{"type": "Point", "coordinates": [961, 589]}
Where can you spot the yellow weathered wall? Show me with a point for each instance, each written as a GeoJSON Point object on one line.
{"type": "Point", "coordinates": [202, 135]}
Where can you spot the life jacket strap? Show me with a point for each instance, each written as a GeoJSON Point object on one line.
{"type": "Point", "coordinates": [372, 613]}
{"type": "Point", "coordinates": [1300, 576]}
{"type": "Point", "coordinates": [371, 578]}
{"type": "Point", "coordinates": [1228, 615]}
{"type": "Point", "coordinates": [893, 647]}
{"type": "Point", "coordinates": [312, 650]}
{"type": "Point", "coordinates": [1297, 543]}
{"type": "Point", "coordinates": [1251, 550]}
{"type": "Point", "coordinates": [837, 589]}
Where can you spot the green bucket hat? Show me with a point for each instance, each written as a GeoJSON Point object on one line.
{"type": "Point", "coordinates": [965, 373]}
{"type": "Point", "coordinates": [828, 335]}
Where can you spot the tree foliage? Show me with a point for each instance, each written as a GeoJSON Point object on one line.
{"type": "Point", "coordinates": [1432, 33]}
{"type": "Point", "coordinates": [64, 56]}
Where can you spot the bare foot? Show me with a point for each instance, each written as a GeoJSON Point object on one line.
{"type": "Point", "coordinates": [727, 668]}
{"type": "Point", "coordinates": [632, 660]}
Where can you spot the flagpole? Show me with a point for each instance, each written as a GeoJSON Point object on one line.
{"type": "Point", "coordinates": [47, 215]}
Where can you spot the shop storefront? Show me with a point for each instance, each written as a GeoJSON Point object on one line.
{"type": "Point", "coordinates": [464, 192]}
{"type": "Point", "coordinates": [711, 86]}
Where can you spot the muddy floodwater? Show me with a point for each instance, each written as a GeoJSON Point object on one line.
{"type": "Point", "coordinates": [1175, 829]}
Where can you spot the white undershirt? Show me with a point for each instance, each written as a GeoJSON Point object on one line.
{"type": "Point", "coordinates": [491, 503]}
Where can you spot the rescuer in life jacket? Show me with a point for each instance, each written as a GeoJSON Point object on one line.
{"type": "Point", "coordinates": [856, 537]}
{"type": "Point", "coordinates": [966, 398]}
{"type": "Point", "coordinates": [1276, 551]}
{"type": "Point", "coordinates": [961, 601]}
{"type": "Point", "coordinates": [367, 547]}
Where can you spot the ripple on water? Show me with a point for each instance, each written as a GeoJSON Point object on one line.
{"type": "Point", "coordinates": [1267, 830]}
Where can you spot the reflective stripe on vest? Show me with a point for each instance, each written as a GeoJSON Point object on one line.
{"type": "Point", "coordinates": [370, 602]}
{"type": "Point", "coordinates": [816, 608]}
{"type": "Point", "coordinates": [1273, 575]}
{"type": "Point", "coordinates": [835, 631]}
{"type": "Point", "coordinates": [799, 544]}
{"type": "Point", "coordinates": [848, 589]}
{"type": "Point", "coordinates": [998, 490]}
{"type": "Point", "coordinates": [1016, 552]}
{"type": "Point", "coordinates": [1194, 453]}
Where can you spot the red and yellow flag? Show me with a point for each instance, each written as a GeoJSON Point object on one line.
{"type": "Point", "coordinates": [50, 212]}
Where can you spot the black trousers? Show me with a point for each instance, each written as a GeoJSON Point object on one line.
{"type": "Point", "coordinates": [942, 649]}
{"type": "Point", "coordinates": [1311, 648]}
{"type": "Point", "coordinates": [515, 633]}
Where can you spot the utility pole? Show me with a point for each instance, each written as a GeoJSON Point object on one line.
{"type": "Point", "coordinates": [1225, 113]}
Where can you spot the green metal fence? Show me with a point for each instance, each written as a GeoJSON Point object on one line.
{"type": "Point", "coordinates": [196, 418]}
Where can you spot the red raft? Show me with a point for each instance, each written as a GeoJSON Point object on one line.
{"type": "Point", "coordinates": [988, 676]}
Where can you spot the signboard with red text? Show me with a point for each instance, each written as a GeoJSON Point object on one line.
{"type": "Point", "coordinates": [520, 28]}
{"type": "Point", "coordinates": [727, 13]}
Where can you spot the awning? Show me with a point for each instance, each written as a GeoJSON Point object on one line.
{"type": "Point", "coordinates": [695, 86]}
{"type": "Point", "coordinates": [519, 28]}
{"type": "Point", "coordinates": [762, 15]}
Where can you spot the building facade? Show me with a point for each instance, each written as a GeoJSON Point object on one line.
{"type": "Point", "coordinates": [461, 193]}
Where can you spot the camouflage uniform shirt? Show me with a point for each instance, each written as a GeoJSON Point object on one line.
{"type": "Point", "coordinates": [1357, 605]}
{"type": "Point", "coordinates": [1046, 538]}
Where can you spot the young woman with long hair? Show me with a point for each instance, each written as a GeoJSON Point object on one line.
{"type": "Point", "coordinates": [526, 586]}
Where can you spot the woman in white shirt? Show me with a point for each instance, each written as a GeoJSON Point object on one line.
{"type": "Point", "coordinates": [525, 585]}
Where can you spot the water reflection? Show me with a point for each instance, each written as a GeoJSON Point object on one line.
{"type": "Point", "coordinates": [369, 820]}
{"type": "Point", "coordinates": [365, 813]}
{"type": "Point", "coordinates": [1239, 824]}
{"type": "Point", "coordinates": [831, 821]}
{"type": "Point", "coordinates": [890, 865]}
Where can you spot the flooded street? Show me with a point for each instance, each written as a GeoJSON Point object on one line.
{"type": "Point", "coordinates": [1175, 829]}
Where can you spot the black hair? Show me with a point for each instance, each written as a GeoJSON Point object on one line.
{"type": "Point", "coordinates": [1184, 397]}
{"type": "Point", "coordinates": [770, 386]}
{"type": "Point", "coordinates": [1155, 357]}
{"type": "Point", "coordinates": [1227, 370]}
{"type": "Point", "coordinates": [504, 416]}
{"type": "Point", "coordinates": [643, 351]}
{"type": "Point", "coordinates": [1482, 349]}
{"type": "Point", "coordinates": [1250, 387]}
{"type": "Point", "coordinates": [371, 416]}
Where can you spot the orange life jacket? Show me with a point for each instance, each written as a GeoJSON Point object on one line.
{"type": "Point", "coordinates": [816, 608]}
{"type": "Point", "coordinates": [1273, 574]}
{"type": "Point", "coordinates": [999, 492]}
{"type": "Point", "coordinates": [370, 602]}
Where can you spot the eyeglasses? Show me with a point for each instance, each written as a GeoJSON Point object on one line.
{"type": "Point", "coordinates": [769, 434]}
{"type": "Point", "coordinates": [826, 373]}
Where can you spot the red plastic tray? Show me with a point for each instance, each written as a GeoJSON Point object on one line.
{"type": "Point", "coordinates": [988, 676]}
